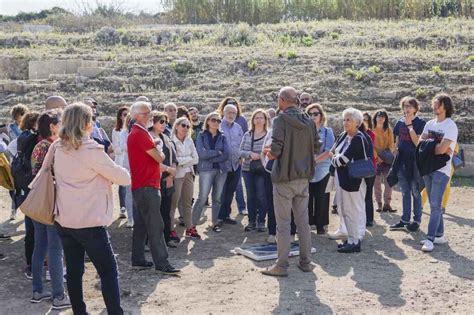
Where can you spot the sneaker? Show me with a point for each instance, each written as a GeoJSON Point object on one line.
{"type": "Point", "coordinates": [369, 224]}
{"type": "Point", "coordinates": [168, 270]}
{"type": "Point", "coordinates": [28, 273]}
{"type": "Point", "coordinates": [250, 227]}
{"type": "Point", "coordinates": [427, 246]}
{"type": "Point", "coordinates": [438, 241]}
{"type": "Point", "coordinates": [5, 237]}
{"type": "Point", "coordinates": [142, 265]}
{"type": "Point", "coordinates": [313, 227]}
{"type": "Point", "coordinates": [271, 239]}
{"type": "Point", "coordinates": [47, 275]}
{"type": "Point", "coordinates": [261, 227]}
{"type": "Point", "coordinates": [244, 212]}
{"type": "Point", "coordinates": [61, 303]}
{"type": "Point", "coordinates": [320, 230]}
{"type": "Point", "coordinates": [181, 221]}
{"type": "Point", "coordinates": [13, 215]}
{"type": "Point", "coordinates": [349, 248]}
{"type": "Point", "coordinates": [412, 227]}
{"type": "Point", "coordinates": [217, 228]}
{"type": "Point", "coordinates": [275, 271]}
{"type": "Point", "coordinates": [338, 235]}
{"type": "Point", "coordinates": [230, 221]}
{"type": "Point", "coordinates": [171, 244]}
{"type": "Point", "coordinates": [174, 236]}
{"type": "Point", "coordinates": [399, 226]}
{"type": "Point", "coordinates": [193, 233]}
{"type": "Point", "coordinates": [38, 297]}
{"type": "Point", "coordinates": [122, 213]}
{"type": "Point", "coordinates": [129, 225]}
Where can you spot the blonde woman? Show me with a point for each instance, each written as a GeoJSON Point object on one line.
{"type": "Point", "coordinates": [187, 157]}
{"type": "Point", "coordinates": [84, 205]}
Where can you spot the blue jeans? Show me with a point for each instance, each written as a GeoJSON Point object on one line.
{"type": "Point", "coordinates": [121, 193]}
{"type": "Point", "coordinates": [410, 188]}
{"type": "Point", "coordinates": [257, 204]}
{"type": "Point", "coordinates": [47, 240]}
{"type": "Point", "coordinates": [95, 242]}
{"type": "Point", "coordinates": [230, 186]}
{"type": "Point", "coordinates": [239, 196]}
{"type": "Point", "coordinates": [208, 180]}
{"type": "Point", "coordinates": [435, 184]}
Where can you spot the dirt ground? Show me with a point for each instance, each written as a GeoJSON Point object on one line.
{"type": "Point", "coordinates": [390, 275]}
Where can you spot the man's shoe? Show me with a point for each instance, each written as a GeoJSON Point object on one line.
{"type": "Point", "coordinates": [61, 303]}
{"type": "Point", "coordinates": [349, 248]}
{"type": "Point", "coordinates": [271, 239]}
{"type": "Point", "coordinates": [217, 228]}
{"type": "Point", "coordinates": [369, 224]}
{"type": "Point", "coordinates": [399, 226]}
{"type": "Point", "coordinates": [193, 233]}
{"type": "Point", "coordinates": [28, 273]}
{"type": "Point", "coordinates": [275, 271]}
{"type": "Point", "coordinates": [250, 227]}
{"type": "Point", "coordinates": [338, 235]}
{"type": "Point", "coordinates": [168, 270]}
{"type": "Point", "coordinates": [427, 246]}
{"type": "Point", "coordinates": [342, 244]}
{"type": "Point", "coordinates": [38, 297]}
{"type": "Point", "coordinates": [412, 227]}
{"type": "Point", "coordinates": [174, 236]}
{"type": "Point", "coordinates": [142, 265]}
{"type": "Point", "coordinates": [305, 267]}
{"type": "Point", "coordinates": [438, 241]}
{"type": "Point", "coordinates": [171, 244]}
{"type": "Point", "coordinates": [230, 221]}
{"type": "Point", "coordinates": [388, 208]}
{"type": "Point", "coordinates": [4, 236]}
{"type": "Point", "coordinates": [379, 208]}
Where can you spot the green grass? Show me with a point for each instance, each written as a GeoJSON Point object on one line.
{"type": "Point", "coordinates": [462, 181]}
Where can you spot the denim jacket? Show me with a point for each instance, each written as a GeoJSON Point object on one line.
{"type": "Point", "coordinates": [207, 156]}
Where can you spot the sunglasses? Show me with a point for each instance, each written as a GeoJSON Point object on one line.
{"type": "Point", "coordinates": [314, 114]}
{"type": "Point", "coordinates": [163, 121]}
{"type": "Point", "coordinates": [185, 126]}
{"type": "Point", "coordinates": [215, 120]}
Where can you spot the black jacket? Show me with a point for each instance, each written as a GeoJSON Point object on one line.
{"type": "Point", "coordinates": [426, 159]}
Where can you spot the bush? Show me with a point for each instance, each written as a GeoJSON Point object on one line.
{"type": "Point", "coordinates": [291, 54]}
{"type": "Point", "coordinates": [307, 41]}
{"type": "Point", "coordinates": [107, 36]}
{"type": "Point", "coordinates": [237, 35]}
{"type": "Point", "coordinates": [374, 69]}
{"type": "Point", "coordinates": [334, 35]}
{"type": "Point", "coordinates": [421, 93]}
{"type": "Point", "coordinates": [436, 70]}
{"type": "Point", "coordinates": [470, 58]}
{"type": "Point", "coordinates": [252, 65]}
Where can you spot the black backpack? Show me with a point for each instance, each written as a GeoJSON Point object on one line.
{"type": "Point", "coordinates": [21, 163]}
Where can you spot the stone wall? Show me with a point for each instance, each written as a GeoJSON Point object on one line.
{"type": "Point", "coordinates": [42, 69]}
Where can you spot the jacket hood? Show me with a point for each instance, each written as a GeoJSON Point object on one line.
{"type": "Point", "coordinates": [295, 117]}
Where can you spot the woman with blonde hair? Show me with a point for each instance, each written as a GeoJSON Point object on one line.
{"type": "Point", "coordinates": [187, 157]}
{"type": "Point", "coordinates": [84, 205]}
{"type": "Point", "coordinates": [253, 171]}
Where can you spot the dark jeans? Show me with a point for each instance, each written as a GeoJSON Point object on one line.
{"type": "Point", "coordinates": [410, 187]}
{"type": "Point", "coordinates": [228, 193]}
{"type": "Point", "coordinates": [95, 242]}
{"type": "Point", "coordinates": [271, 209]}
{"type": "Point", "coordinates": [239, 196]}
{"type": "Point", "coordinates": [29, 239]}
{"type": "Point", "coordinates": [121, 192]}
{"type": "Point", "coordinates": [148, 222]}
{"type": "Point", "coordinates": [318, 207]}
{"type": "Point", "coordinates": [165, 208]}
{"type": "Point", "coordinates": [257, 204]}
{"type": "Point", "coordinates": [369, 199]}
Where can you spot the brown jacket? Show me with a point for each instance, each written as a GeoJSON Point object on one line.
{"type": "Point", "coordinates": [294, 142]}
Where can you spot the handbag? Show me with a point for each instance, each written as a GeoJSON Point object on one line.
{"type": "Point", "coordinates": [6, 179]}
{"type": "Point", "coordinates": [256, 166]}
{"type": "Point", "coordinates": [363, 168]}
{"type": "Point", "coordinates": [458, 159]}
{"type": "Point", "coordinates": [387, 156]}
{"type": "Point", "coordinates": [40, 202]}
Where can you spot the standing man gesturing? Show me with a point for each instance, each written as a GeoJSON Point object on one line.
{"type": "Point", "coordinates": [145, 162]}
{"type": "Point", "coordinates": [294, 142]}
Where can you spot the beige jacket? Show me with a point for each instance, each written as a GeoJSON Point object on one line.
{"type": "Point", "coordinates": [84, 180]}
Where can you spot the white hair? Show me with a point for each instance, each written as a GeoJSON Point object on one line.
{"type": "Point", "coordinates": [137, 107]}
{"type": "Point", "coordinates": [226, 108]}
{"type": "Point", "coordinates": [170, 105]}
{"type": "Point", "coordinates": [355, 115]}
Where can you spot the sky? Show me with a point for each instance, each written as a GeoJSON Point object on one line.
{"type": "Point", "coordinates": [13, 7]}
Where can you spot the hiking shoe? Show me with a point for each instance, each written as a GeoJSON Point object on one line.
{"type": "Point", "coordinates": [38, 297]}
{"type": "Point", "coordinates": [427, 246]}
{"type": "Point", "coordinates": [412, 227]}
{"type": "Point", "coordinates": [250, 227]}
{"type": "Point", "coordinates": [168, 270]}
{"type": "Point", "coordinates": [388, 208]}
{"type": "Point", "coordinates": [28, 273]}
{"type": "Point", "coordinates": [271, 239]}
{"type": "Point", "coordinates": [230, 221]}
{"type": "Point", "coordinates": [399, 226]}
{"type": "Point", "coordinates": [142, 265]}
{"type": "Point", "coordinates": [60, 303]}
{"type": "Point", "coordinates": [275, 271]}
{"type": "Point", "coordinates": [217, 228]}
{"type": "Point", "coordinates": [174, 236]}
{"type": "Point", "coordinates": [305, 267]}
{"type": "Point", "coordinates": [438, 241]}
{"type": "Point", "coordinates": [193, 233]}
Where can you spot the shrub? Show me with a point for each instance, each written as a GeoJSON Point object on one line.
{"type": "Point", "coordinates": [334, 35]}
{"type": "Point", "coordinates": [421, 93]}
{"type": "Point", "coordinates": [470, 58]}
{"type": "Point", "coordinates": [307, 41]}
{"type": "Point", "coordinates": [291, 54]}
{"type": "Point", "coordinates": [237, 35]}
{"type": "Point", "coordinates": [436, 70]}
{"type": "Point", "coordinates": [374, 69]}
{"type": "Point", "coordinates": [252, 65]}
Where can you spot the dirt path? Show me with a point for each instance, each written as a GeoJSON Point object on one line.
{"type": "Point", "coordinates": [390, 275]}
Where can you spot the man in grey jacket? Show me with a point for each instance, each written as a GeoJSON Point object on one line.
{"type": "Point", "coordinates": [294, 143]}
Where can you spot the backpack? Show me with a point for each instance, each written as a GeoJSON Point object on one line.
{"type": "Point", "coordinates": [21, 163]}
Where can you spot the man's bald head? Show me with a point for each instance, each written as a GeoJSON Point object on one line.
{"type": "Point", "coordinates": [55, 101]}
{"type": "Point", "coordinates": [287, 97]}
{"type": "Point", "coordinates": [142, 98]}
{"type": "Point", "coordinates": [305, 99]}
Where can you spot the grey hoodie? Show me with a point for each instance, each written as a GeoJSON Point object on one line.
{"type": "Point", "coordinates": [294, 142]}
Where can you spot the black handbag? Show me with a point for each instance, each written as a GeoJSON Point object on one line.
{"type": "Point", "coordinates": [256, 166]}
{"type": "Point", "coordinates": [363, 168]}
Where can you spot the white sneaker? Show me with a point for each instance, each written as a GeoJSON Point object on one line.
{"type": "Point", "coordinates": [338, 235]}
{"type": "Point", "coordinates": [47, 275]}
{"type": "Point", "coordinates": [271, 239]}
{"type": "Point", "coordinates": [13, 215]}
{"type": "Point", "coordinates": [438, 241]}
{"type": "Point", "coordinates": [129, 224]}
{"type": "Point", "coordinates": [244, 212]}
{"type": "Point", "coordinates": [427, 246]}
{"type": "Point", "coordinates": [313, 227]}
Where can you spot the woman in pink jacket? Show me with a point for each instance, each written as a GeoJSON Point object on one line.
{"type": "Point", "coordinates": [84, 176]}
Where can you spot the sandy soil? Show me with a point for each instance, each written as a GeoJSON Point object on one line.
{"type": "Point", "coordinates": [390, 275]}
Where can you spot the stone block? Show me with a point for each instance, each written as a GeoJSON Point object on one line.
{"type": "Point", "coordinates": [90, 72]}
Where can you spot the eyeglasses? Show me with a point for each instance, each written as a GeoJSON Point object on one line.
{"type": "Point", "coordinates": [215, 120]}
{"type": "Point", "coordinates": [314, 114]}
{"type": "Point", "coordinates": [231, 102]}
{"type": "Point", "coordinates": [146, 113]}
{"type": "Point", "coordinates": [162, 121]}
{"type": "Point", "coordinates": [185, 126]}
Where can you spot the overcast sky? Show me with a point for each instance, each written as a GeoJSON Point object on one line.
{"type": "Point", "coordinates": [12, 7]}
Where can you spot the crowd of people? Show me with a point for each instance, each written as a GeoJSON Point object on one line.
{"type": "Point", "coordinates": [290, 161]}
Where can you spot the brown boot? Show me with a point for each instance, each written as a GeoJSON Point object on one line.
{"type": "Point", "coordinates": [275, 271]}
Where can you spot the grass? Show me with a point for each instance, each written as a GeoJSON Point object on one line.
{"type": "Point", "coordinates": [462, 181]}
